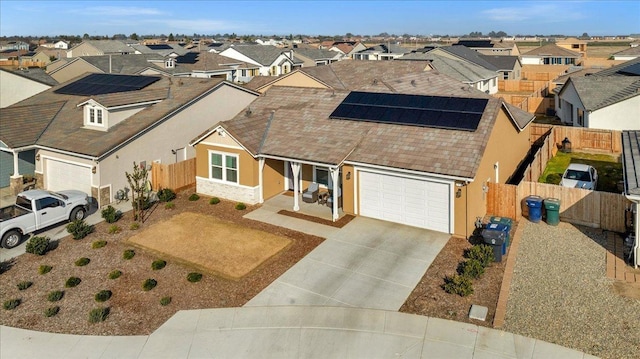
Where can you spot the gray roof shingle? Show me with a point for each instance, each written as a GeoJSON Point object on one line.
{"type": "Point", "coordinates": [551, 50]}
{"type": "Point", "coordinates": [35, 74]}
{"type": "Point", "coordinates": [597, 92]}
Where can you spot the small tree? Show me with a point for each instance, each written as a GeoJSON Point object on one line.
{"type": "Point", "coordinates": [138, 183]}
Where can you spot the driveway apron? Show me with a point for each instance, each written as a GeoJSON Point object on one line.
{"type": "Point", "coordinates": [366, 264]}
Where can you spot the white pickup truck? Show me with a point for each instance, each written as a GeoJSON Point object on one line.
{"type": "Point", "coordinates": [37, 209]}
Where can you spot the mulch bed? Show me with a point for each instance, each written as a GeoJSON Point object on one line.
{"type": "Point", "coordinates": [134, 311]}
{"type": "Point", "coordinates": [341, 222]}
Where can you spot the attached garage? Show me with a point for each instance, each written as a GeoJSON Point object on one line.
{"type": "Point", "coordinates": [60, 175]}
{"type": "Point", "coordinates": [412, 201]}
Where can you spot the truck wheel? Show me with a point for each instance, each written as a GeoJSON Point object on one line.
{"type": "Point", "coordinates": [77, 214]}
{"type": "Point", "coordinates": [11, 239]}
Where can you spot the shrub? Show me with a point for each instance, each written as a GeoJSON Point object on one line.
{"type": "Point", "coordinates": [81, 262]}
{"type": "Point", "coordinates": [72, 282]}
{"type": "Point", "coordinates": [115, 274]}
{"type": "Point", "coordinates": [482, 253]}
{"type": "Point", "coordinates": [459, 285]}
{"type": "Point", "coordinates": [158, 264]}
{"type": "Point", "coordinates": [110, 214]}
{"type": "Point", "coordinates": [166, 195]}
{"type": "Point", "coordinates": [165, 300]}
{"type": "Point", "coordinates": [169, 205]}
{"type": "Point", "coordinates": [128, 254]}
{"type": "Point", "coordinates": [44, 269]}
{"type": "Point", "coordinates": [114, 228]}
{"type": "Point", "coordinates": [98, 315]}
{"type": "Point", "coordinates": [79, 229]}
{"type": "Point", "coordinates": [194, 277]}
{"type": "Point", "coordinates": [103, 295]}
{"type": "Point", "coordinates": [52, 311]}
{"type": "Point", "coordinates": [146, 203]}
{"type": "Point", "coordinates": [24, 285]}
{"type": "Point", "coordinates": [55, 296]}
{"type": "Point", "coordinates": [37, 245]}
{"type": "Point", "coordinates": [553, 178]}
{"type": "Point", "coordinates": [241, 206]}
{"type": "Point", "coordinates": [471, 268]}
{"type": "Point", "coordinates": [214, 200]}
{"type": "Point", "coordinates": [149, 284]}
{"type": "Point", "coordinates": [194, 197]}
{"type": "Point", "coordinates": [98, 244]}
{"type": "Point", "coordinates": [11, 303]}
{"type": "Point", "coordinates": [134, 226]}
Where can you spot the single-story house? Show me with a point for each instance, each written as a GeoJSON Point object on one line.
{"type": "Point", "coordinates": [18, 85]}
{"type": "Point", "coordinates": [86, 133]}
{"type": "Point", "coordinates": [551, 55]}
{"type": "Point", "coordinates": [417, 151]}
{"type": "Point", "coordinates": [382, 52]}
{"type": "Point", "coordinates": [627, 54]}
{"type": "Point", "coordinates": [631, 172]}
{"type": "Point", "coordinates": [609, 99]}
{"type": "Point", "coordinates": [272, 61]}
{"type": "Point", "coordinates": [99, 47]}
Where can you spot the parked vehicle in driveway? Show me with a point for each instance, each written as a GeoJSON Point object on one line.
{"type": "Point", "coordinates": [580, 176]}
{"type": "Point", "coordinates": [37, 209]}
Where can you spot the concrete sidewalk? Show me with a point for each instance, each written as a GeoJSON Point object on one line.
{"type": "Point", "coordinates": [289, 332]}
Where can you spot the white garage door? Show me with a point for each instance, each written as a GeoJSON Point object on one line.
{"type": "Point", "coordinates": [418, 203]}
{"type": "Point", "coordinates": [63, 175]}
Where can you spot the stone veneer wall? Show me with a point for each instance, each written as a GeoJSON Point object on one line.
{"type": "Point", "coordinates": [247, 195]}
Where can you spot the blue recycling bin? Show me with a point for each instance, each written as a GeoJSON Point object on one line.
{"type": "Point", "coordinates": [508, 222]}
{"type": "Point", "coordinates": [500, 228]}
{"type": "Point", "coordinates": [535, 208]}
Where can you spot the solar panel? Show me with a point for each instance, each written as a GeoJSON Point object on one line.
{"type": "Point", "coordinates": [100, 84]}
{"type": "Point", "coordinates": [160, 47]}
{"type": "Point", "coordinates": [631, 70]}
{"type": "Point", "coordinates": [188, 58]}
{"type": "Point", "coordinates": [413, 110]}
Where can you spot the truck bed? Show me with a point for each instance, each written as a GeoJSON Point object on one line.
{"type": "Point", "coordinates": [11, 212]}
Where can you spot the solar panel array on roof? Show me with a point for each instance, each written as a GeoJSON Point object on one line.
{"type": "Point", "coordinates": [188, 58]}
{"type": "Point", "coordinates": [415, 110]}
{"type": "Point", "coordinates": [100, 84]}
{"type": "Point", "coordinates": [633, 70]}
{"type": "Point", "coordinates": [160, 47]}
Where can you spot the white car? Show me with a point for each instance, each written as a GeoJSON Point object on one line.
{"type": "Point", "coordinates": [580, 176]}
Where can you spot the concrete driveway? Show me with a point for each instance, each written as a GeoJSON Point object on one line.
{"type": "Point", "coordinates": [366, 264]}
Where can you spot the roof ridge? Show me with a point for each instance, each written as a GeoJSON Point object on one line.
{"type": "Point", "coordinates": [266, 130]}
{"type": "Point", "coordinates": [50, 121]}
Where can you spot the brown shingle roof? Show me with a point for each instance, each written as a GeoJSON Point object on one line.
{"type": "Point", "coordinates": [64, 130]}
{"type": "Point", "coordinates": [22, 125]}
{"type": "Point", "coordinates": [551, 50]}
{"type": "Point", "coordinates": [301, 129]}
{"type": "Point", "coordinates": [125, 98]}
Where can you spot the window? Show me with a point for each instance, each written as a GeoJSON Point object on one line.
{"type": "Point", "coordinates": [322, 176]}
{"type": "Point", "coordinates": [95, 116]}
{"type": "Point", "coordinates": [505, 75]}
{"type": "Point", "coordinates": [580, 117]}
{"type": "Point", "coordinates": [224, 167]}
{"type": "Point", "coordinates": [243, 73]}
{"type": "Point", "coordinates": [47, 202]}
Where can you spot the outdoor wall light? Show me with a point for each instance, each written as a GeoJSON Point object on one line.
{"type": "Point", "coordinates": [38, 157]}
{"type": "Point", "coordinates": [93, 169]}
{"type": "Point", "coordinates": [349, 175]}
{"type": "Point", "coordinates": [459, 192]}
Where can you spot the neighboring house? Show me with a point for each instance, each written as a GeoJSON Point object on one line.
{"type": "Point", "coordinates": [466, 72]}
{"type": "Point", "coordinates": [61, 45]}
{"type": "Point", "coordinates": [492, 47]}
{"type": "Point", "coordinates": [18, 85]}
{"type": "Point", "coordinates": [316, 57]}
{"type": "Point", "coordinates": [107, 64]}
{"type": "Point", "coordinates": [36, 57]}
{"type": "Point", "coordinates": [609, 99]}
{"type": "Point", "coordinates": [627, 54]}
{"type": "Point", "coordinates": [417, 165]}
{"type": "Point", "coordinates": [218, 47]}
{"type": "Point", "coordinates": [631, 170]}
{"type": "Point", "coordinates": [87, 133]}
{"type": "Point", "coordinates": [348, 48]}
{"type": "Point", "coordinates": [551, 55]}
{"type": "Point", "coordinates": [164, 50]}
{"type": "Point", "coordinates": [14, 45]}
{"type": "Point", "coordinates": [381, 52]}
{"type": "Point", "coordinates": [505, 66]}
{"type": "Point", "coordinates": [99, 47]}
{"type": "Point", "coordinates": [573, 44]}
{"type": "Point", "coordinates": [351, 75]}
{"type": "Point", "coordinates": [11, 54]}
{"type": "Point", "coordinates": [273, 61]}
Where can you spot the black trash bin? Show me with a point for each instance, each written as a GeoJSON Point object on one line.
{"type": "Point", "coordinates": [495, 238]}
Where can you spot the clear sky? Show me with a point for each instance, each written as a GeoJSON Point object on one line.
{"type": "Point", "coordinates": [327, 17]}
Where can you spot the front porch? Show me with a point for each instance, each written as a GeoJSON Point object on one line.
{"type": "Point", "coordinates": [285, 201]}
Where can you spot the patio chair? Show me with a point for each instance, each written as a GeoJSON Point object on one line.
{"type": "Point", "coordinates": [330, 198]}
{"type": "Point", "coordinates": [310, 195]}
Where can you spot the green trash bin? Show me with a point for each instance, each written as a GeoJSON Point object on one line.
{"type": "Point", "coordinates": [552, 205]}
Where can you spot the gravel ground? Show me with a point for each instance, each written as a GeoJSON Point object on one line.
{"type": "Point", "coordinates": [560, 293]}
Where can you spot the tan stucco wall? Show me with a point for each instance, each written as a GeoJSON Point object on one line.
{"type": "Point", "coordinates": [247, 165]}
{"type": "Point", "coordinates": [273, 178]}
{"type": "Point", "coordinates": [73, 70]}
{"type": "Point", "coordinates": [296, 80]}
{"type": "Point", "coordinates": [348, 189]}
{"type": "Point", "coordinates": [506, 146]}
{"type": "Point", "coordinates": [83, 49]}
{"type": "Point", "coordinates": [17, 88]}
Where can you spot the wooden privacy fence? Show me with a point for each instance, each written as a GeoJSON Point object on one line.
{"type": "Point", "coordinates": [528, 95]}
{"type": "Point", "coordinates": [535, 169]}
{"type": "Point", "coordinates": [579, 206]}
{"type": "Point", "coordinates": [22, 63]}
{"type": "Point", "coordinates": [175, 176]}
{"type": "Point", "coordinates": [581, 138]}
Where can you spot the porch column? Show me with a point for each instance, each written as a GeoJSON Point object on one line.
{"type": "Point", "coordinates": [260, 179]}
{"type": "Point", "coordinates": [16, 172]}
{"type": "Point", "coordinates": [336, 185]}
{"type": "Point", "coordinates": [295, 167]}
